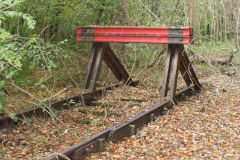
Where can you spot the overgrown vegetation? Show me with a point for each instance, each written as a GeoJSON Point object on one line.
{"type": "Point", "coordinates": [40, 36]}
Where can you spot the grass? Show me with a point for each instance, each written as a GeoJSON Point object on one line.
{"type": "Point", "coordinates": [214, 50]}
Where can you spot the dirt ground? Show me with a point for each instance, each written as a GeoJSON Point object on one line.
{"type": "Point", "coordinates": [206, 126]}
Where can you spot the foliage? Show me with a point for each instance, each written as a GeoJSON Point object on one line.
{"type": "Point", "coordinates": [20, 52]}
{"type": "Point", "coordinates": [6, 12]}
{"type": "Point", "coordinates": [12, 51]}
{"type": "Point", "coordinates": [17, 52]}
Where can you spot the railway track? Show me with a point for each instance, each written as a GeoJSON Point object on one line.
{"type": "Point", "coordinates": [6, 121]}
{"type": "Point", "coordinates": [120, 130]}
{"type": "Point", "coordinates": [114, 133]}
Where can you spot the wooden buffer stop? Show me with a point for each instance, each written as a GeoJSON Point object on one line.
{"type": "Point", "coordinates": [176, 60]}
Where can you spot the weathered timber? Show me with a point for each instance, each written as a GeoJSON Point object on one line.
{"type": "Point", "coordinates": [103, 51]}
{"type": "Point", "coordinates": [167, 71]}
{"type": "Point", "coordinates": [178, 57]}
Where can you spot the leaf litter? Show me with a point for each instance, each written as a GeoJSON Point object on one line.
{"type": "Point", "coordinates": [39, 137]}
{"type": "Point", "coordinates": [206, 126]}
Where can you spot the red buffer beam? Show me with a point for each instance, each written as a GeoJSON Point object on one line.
{"type": "Point", "coordinates": [165, 35]}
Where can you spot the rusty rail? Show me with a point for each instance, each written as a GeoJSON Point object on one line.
{"type": "Point", "coordinates": [120, 130]}
{"type": "Point", "coordinates": [6, 121]}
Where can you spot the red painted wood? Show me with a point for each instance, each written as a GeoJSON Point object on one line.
{"type": "Point", "coordinates": [133, 34]}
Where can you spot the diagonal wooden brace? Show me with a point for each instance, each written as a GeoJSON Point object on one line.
{"type": "Point", "coordinates": [188, 67]}
{"type": "Point", "coordinates": [115, 65]}
{"type": "Point", "coordinates": [183, 68]}
{"type": "Point", "coordinates": [103, 51]}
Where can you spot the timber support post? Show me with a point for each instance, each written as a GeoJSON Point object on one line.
{"type": "Point", "coordinates": [177, 60]}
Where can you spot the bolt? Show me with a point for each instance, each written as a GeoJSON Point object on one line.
{"type": "Point", "coordinates": [132, 128]}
